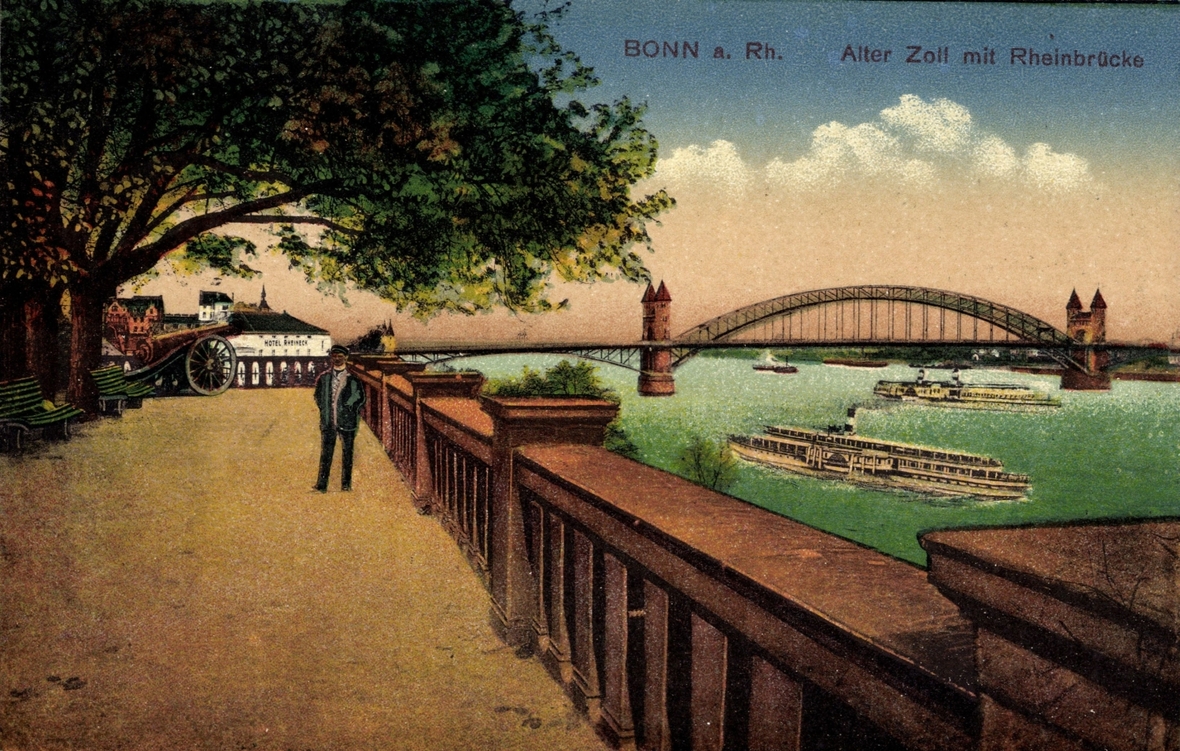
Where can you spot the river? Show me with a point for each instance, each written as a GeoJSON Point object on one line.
{"type": "Point", "coordinates": [1101, 455]}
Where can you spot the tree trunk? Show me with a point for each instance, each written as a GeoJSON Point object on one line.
{"type": "Point", "coordinates": [41, 313]}
{"type": "Point", "coordinates": [13, 350]}
{"type": "Point", "coordinates": [86, 306]}
{"type": "Point", "coordinates": [28, 334]}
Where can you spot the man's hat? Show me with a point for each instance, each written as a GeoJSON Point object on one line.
{"type": "Point", "coordinates": [338, 348]}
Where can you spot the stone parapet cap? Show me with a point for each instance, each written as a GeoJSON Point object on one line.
{"type": "Point", "coordinates": [462, 412]}
{"type": "Point", "coordinates": [538, 419]}
{"type": "Point", "coordinates": [1124, 571]}
{"type": "Point", "coordinates": [548, 407]}
{"type": "Point", "coordinates": [399, 384]}
{"type": "Point", "coordinates": [885, 606]}
{"type": "Point", "coordinates": [1108, 588]}
{"type": "Point", "coordinates": [460, 384]}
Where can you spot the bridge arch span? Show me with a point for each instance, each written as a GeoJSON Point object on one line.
{"type": "Point", "coordinates": [1024, 327]}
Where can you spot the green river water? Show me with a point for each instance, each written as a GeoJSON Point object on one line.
{"type": "Point", "coordinates": [1100, 455]}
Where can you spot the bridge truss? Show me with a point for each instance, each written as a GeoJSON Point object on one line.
{"type": "Point", "coordinates": [877, 314]}
{"type": "Point", "coordinates": [867, 315]}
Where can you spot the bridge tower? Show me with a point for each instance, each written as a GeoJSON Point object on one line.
{"type": "Point", "coordinates": [655, 370]}
{"type": "Point", "coordinates": [1087, 328]}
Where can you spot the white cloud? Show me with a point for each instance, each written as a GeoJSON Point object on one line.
{"type": "Point", "coordinates": [1052, 171]}
{"type": "Point", "coordinates": [838, 151]}
{"type": "Point", "coordinates": [993, 157]}
{"type": "Point", "coordinates": [914, 142]}
{"type": "Point", "coordinates": [720, 164]}
{"type": "Point", "coordinates": [940, 126]}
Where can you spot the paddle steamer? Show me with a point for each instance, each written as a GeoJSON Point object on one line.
{"type": "Point", "coordinates": [838, 453]}
{"type": "Point", "coordinates": [955, 393]}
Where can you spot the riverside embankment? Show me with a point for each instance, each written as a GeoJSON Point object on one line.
{"type": "Point", "coordinates": [168, 580]}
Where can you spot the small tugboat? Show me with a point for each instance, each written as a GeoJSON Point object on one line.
{"type": "Point", "coordinates": [955, 393]}
{"type": "Point", "coordinates": [768, 364]}
{"type": "Point", "coordinates": [838, 453]}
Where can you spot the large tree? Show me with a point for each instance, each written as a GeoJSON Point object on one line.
{"type": "Point", "coordinates": [435, 153]}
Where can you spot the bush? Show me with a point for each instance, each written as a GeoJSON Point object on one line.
{"type": "Point", "coordinates": [563, 379]}
{"type": "Point", "coordinates": [569, 380]}
{"type": "Point", "coordinates": [709, 463]}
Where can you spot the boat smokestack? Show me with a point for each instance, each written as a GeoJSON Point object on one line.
{"type": "Point", "coordinates": [850, 423]}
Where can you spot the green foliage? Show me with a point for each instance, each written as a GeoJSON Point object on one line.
{"type": "Point", "coordinates": [563, 379]}
{"type": "Point", "coordinates": [422, 141]}
{"type": "Point", "coordinates": [709, 463]}
{"type": "Point", "coordinates": [571, 380]}
{"type": "Point", "coordinates": [434, 153]}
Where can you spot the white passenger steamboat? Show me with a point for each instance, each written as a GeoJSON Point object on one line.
{"type": "Point", "coordinates": [838, 453]}
{"type": "Point", "coordinates": [955, 393]}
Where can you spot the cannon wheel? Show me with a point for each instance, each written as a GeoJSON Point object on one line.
{"type": "Point", "coordinates": [210, 365]}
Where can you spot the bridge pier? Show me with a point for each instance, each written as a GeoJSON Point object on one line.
{"type": "Point", "coordinates": [1086, 328]}
{"type": "Point", "coordinates": [652, 383]}
{"type": "Point", "coordinates": [1079, 380]}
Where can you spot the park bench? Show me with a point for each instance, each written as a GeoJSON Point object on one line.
{"type": "Point", "coordinates": [26, 413]}
{"type": "Point", "coordinates": [116, 393]}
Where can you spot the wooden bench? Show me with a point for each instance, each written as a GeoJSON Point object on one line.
{"type": "Point", "coordinates": [116, 393]}
{"type": "Point", "coordinates": [26, 413]}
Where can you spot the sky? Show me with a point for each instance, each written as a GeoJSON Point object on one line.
{"type": "Point", "coordinates": [805, 150]}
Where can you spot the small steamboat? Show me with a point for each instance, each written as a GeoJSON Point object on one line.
{"type": "Point", "coordinates": [955, 393]}
{"type": "Point", "coordinates": [838, 453]}
{"type": "Point", "coordinates": [768, 364]}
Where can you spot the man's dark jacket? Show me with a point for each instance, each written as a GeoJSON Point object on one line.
{"type": "Point", "coordinates": [352, 398]}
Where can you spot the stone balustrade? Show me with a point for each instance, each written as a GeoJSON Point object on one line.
{"type": "Point", "coordinates": [681, 618]}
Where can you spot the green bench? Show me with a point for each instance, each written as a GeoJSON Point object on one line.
{"type": "Point", "coordinates": [115, 392]}
{"type": "Point", "coordinates": [25, 413]}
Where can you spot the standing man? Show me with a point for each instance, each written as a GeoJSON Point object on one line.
{"type": "Point", "coordinates": [339, 396]}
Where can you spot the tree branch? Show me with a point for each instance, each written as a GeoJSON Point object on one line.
{"type": "Point", "coordinates": [279, 219]}
{"type": "Point", "coordinates": [138, 260]}
{"type": "Point", "coordinates": [259, 176]}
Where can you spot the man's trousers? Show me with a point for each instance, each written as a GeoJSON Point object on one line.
{"type": "Point", "coordinates": [327, 448]}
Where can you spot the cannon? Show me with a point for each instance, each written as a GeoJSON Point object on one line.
{"type": "Point", "coordinates": [200, 359]}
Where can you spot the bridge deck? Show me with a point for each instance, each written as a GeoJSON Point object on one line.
{"type": "Point", "coordinates": [169, 580]}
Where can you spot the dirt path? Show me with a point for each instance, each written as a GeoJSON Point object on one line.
{"type": "Point", "coordinates": [169, 581]}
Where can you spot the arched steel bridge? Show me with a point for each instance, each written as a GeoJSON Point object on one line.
{"type": "Point", "coordinates": [866, 315]}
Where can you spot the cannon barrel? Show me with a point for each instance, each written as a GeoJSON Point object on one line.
{"type": "Point", "coordinates": [161, 346]}
{"type": "Point", "coordinates": [200, 359]}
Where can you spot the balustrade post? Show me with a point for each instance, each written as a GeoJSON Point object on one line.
{"type": "Point", "coordinates": [426, 386]}
{"type": "Point", "coordinates": [710, 667]}
{"type": "Point", "coordinates": [556, 654]}
{"type": "Point", "coordinates": [657, 732]}
{"type": "Point", "coordinates": [518, 421]}
{"type": "Point", "coordinates": [616, 695]}
{"type": "Point", "coordinates": [776, 709]}
{"type": "Point", "coordinates": [587, 692]}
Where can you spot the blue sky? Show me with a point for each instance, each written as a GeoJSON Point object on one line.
{"type": "Point", "coordinates": [767, 107]}
{"type": "Point", "coordinates": [1013, 183]}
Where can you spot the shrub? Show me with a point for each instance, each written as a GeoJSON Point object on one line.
{"type": "Point", "coordinates": [709, 463]}
{"type": "Point", "coordinates": [571, 380]}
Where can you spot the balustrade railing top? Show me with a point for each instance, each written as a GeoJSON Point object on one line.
{"type": "Point", "coordinates": [677, 615]}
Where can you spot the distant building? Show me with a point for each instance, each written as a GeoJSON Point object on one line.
{"type": "Point", "coordinates": [276, 349]}
{"type": "Point", "coordinates": [214, 307]}
{"type": "Point", "coordinates": [278, 335]}
{"type": "Point", "coordinates": [128, 322]}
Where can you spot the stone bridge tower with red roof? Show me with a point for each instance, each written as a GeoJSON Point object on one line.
{"type": "Point", "coordinates": [1087, 328]}
{"type": "Point", "coordinates": [655, 370]}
